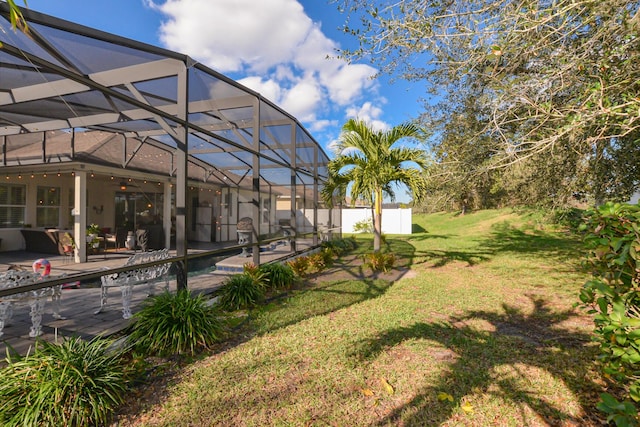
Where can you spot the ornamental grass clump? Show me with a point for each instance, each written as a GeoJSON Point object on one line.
{"type": "Point", "coordinates": [176, 323]}
{"type": "Point", "coordinates": [241, 291]}
{"type": "Point", "coordinates": [380, 262]}
{"type": "Point", "coordinates": [73, 383]}
{"type": "Point", "coordinates": [280, 276]}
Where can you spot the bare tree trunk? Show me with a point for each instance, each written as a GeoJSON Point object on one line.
{"type": "Point", "coordinates": [377, 221]}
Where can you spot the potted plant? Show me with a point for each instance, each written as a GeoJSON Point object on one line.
{"type": "Point", "coordinates": [93, 230]}
{"type": "Point", "coordinates": [68, 245]}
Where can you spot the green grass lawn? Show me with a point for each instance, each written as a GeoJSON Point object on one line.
{"type": "Point", "coordinates": [479, 331]}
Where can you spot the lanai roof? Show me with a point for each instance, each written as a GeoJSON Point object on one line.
{"type": "Point", "coordinates": [71, 93]}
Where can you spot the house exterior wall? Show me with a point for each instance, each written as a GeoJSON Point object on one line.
{"type": "Point", "coordinates": [100, 194]}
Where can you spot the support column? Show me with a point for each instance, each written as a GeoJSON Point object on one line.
{"type": "Point", "coordinates": [166, 214]}
{"type": "Point", "coordinates": [80, 216]}
{"type": "Point", "coordinates": [315, 194]}
{"type": "Point", "coordinates": [293, 214]}
{"type": "Point", "coordinates": [182, 135]}
{"type": "Point", "coordinates": [255, 208]}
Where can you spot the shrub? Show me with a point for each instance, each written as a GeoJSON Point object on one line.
{"type": "Point", "coordinates": [349, 243]}
{"type": "Point", "coordinates": [364, 226]}
{"type": "Point", "coordinates": [340, 246]}
{"type": "Point", "coordinates": [73, 383]}
{"type": "Point", "coordinates": [280, 276]}
{"type": "Point", "coordinates": [256, 273]}
{"type": "Point", "coordinates": [569, 217]}
{"type": "Point", "coordinates": [300, 266]}
{"type": "Point", "coordinates": [613, 296]}
{"type": "Point", "coordinates": [328, 255]}
{"type": "Point", "coordinates": [379, 261]}
{"type": "Point", "coordinates": [175, 324]}
{"type": "Point", "coordinates": [317, 262]}
{"type": "Point", "coordinates": [240, 291]}
{"type": "Point", "coordinates": [335, 245]}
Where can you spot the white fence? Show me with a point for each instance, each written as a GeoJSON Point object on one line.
{"type": "Point", "coordinates": [394, 221]}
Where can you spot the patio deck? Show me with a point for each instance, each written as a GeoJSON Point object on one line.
{"type": "Point", "coordinates": [78, 305]}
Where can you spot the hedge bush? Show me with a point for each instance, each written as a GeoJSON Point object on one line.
{"type": "Point", "coordinates": [613, 296]}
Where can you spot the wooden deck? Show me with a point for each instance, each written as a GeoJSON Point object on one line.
{"type": "Point", "coordinates": [78, 305]}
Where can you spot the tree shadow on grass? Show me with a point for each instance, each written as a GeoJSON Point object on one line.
{"type": "Point", "coordinates": [518, 342]}
{"type": "Point", "coordinates": [440, 258]}
{"type": "Point", "coordinates": [347, 281]}
{"type": "Point", "coordinates": [504, 238]}
{"type": "Point", "coordinates": [408, 255]}
{"type": "Point", "coordinates": [507, 238]}
{"type": "Point", "coordinates": [318, 300]}
{"type": "Point", "coordinates": [417, 228]}
{"type": "Point", "coordinates": [429, 236]}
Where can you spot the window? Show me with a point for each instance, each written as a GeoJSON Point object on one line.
{"type": "Point", "coordinates": [12, 205]}
{"type": "Point", "coordinates": [48, 212]}
{"type": "Point", "coordinates": [228, 202]}
{"type": "Point", "coordinates": [266, 210]}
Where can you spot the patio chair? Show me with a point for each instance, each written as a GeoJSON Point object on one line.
{"type": "Point", "coordinates": [118, 239]}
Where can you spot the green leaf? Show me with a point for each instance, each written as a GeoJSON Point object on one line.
{"type": "Point", "coordinates": [621, 338]}
{"type": "Point", "coordinates": [617, 352]}
{"type": "Point", "coordinates": [634, 392]}
{"type": "Point", "coordinates": [604, 289]}
{"type": "Point", "coordinates": [619, 307]}
{"type": "Point", "coordinates": [632, 357]}
{"type": "Point", "coordinates": [603, 305]}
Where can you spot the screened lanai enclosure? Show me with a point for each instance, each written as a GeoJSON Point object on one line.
{"type": "Point", "coordinates": [99, 129]}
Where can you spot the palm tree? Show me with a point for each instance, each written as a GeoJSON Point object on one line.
{"type": "Point", "coordinates": [368, 166]}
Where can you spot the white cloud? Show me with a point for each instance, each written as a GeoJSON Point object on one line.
{"type": "Point", "coordinates": [269, 89]}
{"type": "Point", "coordinates": [320, 125]}
{"type": "Point", "coordinates": [347, 82]}
{"type": "Point", "coordinates": [303, 98]}
{"type": "Point", "coordinates": [275, 44]}
{"type": "Point", "coordinates": [370, 114]}
{"type": "Point", "coordinates": [230, 34]}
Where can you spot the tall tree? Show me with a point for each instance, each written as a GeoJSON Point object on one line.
{"type": "Point", "coordinates": [369, 163]}
{"type": "Point", "coordinates": [461, 176]}
{"type": "Point", "coordinates": [558, 73]}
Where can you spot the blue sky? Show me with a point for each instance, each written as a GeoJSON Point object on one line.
{"type": "Point", "coordinates": [276, 47]}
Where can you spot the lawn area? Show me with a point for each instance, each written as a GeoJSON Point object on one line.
{"type": "Point", "coordinates": [479, 329]}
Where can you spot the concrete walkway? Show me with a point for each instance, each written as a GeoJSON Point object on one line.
{"type": "Point", "coordinates": [77, 306]}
